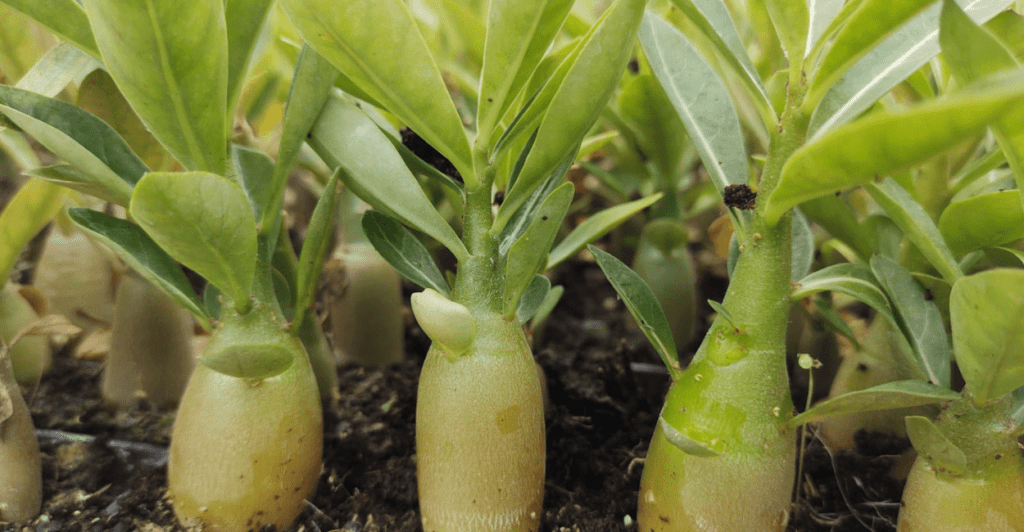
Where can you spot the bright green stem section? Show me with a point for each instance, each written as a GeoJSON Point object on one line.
{"type": "Point", "coordinates": [480, 285]}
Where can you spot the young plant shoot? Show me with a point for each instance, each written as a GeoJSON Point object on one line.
{"type": "Point", "coordinates": [722, 456]}
{"type": "Point", "coordinates": [479, 419]}
{"type": "Point", "coordinates": [246, 446]}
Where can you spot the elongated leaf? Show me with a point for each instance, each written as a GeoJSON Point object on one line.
{"type": "Point", "coordinates": [643, 305]}
{"type": "Point", "coordinates": [820, 14]}
{"type": "Point", "coordinates": [65, 18]}
{"type": "Point", "coordinates": [868, 25]}
{"type": "Point", "coordinates": [700, 98]}
{"type": "Point", "coordinates": [152, 50]}
{"type": "Point", "coordinates": [205, 222]}
{"type": "Point", "coordinates": [888, 396]}
{"type": "Point", "coordinates": [852, 279]}
{"type": "Point", "coordinates": [803, 247]}
{"type": "Point", "coordinates": [889, 63]}
{"type": "Point", "coordinates": [247, 18]}
{"type": "Point", "coordinates": [920, 320]}
{"type": "Point", "coordinates": [403, 251]}
{"type": "Point", "coordinates": [1017, 410]}
{"type": "Point", "coordinates": [254, 170]}
{"type": "Point", "coordinates": [61, 65]}
{"type": "Point", "coordinates": [855, 153]}
{"type": "Point", "coordinates": [982, 221]}
{"type": "Point", "coordinates": [972, 53]}
{"type": "Point", "coordinates": [791, 22]}
{"type": "Point", "coordinates": [99, 95]}
{"type": "Point", "coordinates": [77, 137]}
{"type": "Point", "coordinates": [533, 298]}
{"type": "Point", "coordinates": [713, 20]}
{"type": "Point", "coordinates": [311, 86]}
{"type": "Point", "coordinates": [527, 212]}
{"type": "Point", "coordinates": [130, 243]}
{"type": "Point", "coordinates": [589, 81]}
{"type": "Point", "coordinates": [345, 137]}
{"type": "Point", "coordinates": [652, 122]}
{"type": "Point", "coordinates": [528, 255]}
{"type": "Point", "coordinates": [835, 216]}
{"type": "Point", "coordinates": [518, 34]}
{"type": "Point", "coordinates": [314, 249]}
{"type": "Point", "coordinates": [916, 226]}
{"type": "Point", "coordinates": [934, 446]}
{"type": "Point", "coordinates": [28, 212]}
{"type": "Point", "coordinates": [986, 311]}
{"type": "Point", "coordinates": [71, 177]}
{"type": "Point", "coordinates": [595, 227]}
{"type": "Point", "coordinates": [377, 45]}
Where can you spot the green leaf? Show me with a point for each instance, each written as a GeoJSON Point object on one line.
{"type": "Point", "coordinates": [132, 245]}
{"type": "Point", "coordinates": [27, 213]}
{"type": "Point", "coordinates": [713, 20]}
{"type": "Point", "coordinates": [701, 100]}
{"type": "Point", "coordinates": [791, 21]}
{"type": "Point", "coordinates": [59, 67]}
{"type": "Point", "coordinates": [1017, 410]}
{"type": "Point", "coordinates": [528, 255]}
{"type": "Point", "coordinates": [986, 312]}
{"type": "Point", "coordinates": [972, 53]}
{"type": "Point", "coordinates": [65, 18]}
{"type": "Point", "coordinates": [920, 320]}
{"type": "Point", "coordinates": [247, 18]}
{"type": "Point", "coordinates": [721, 311]}
{"type": "Point", "coordinates": [405, 79]}
{"type": "Point", "coordinates": [888, 396]}
{"type": "Point", "coordinates": [888, 64]}
{"type": "Point", "coordinates": [403, 251]}
{"type": "Point", "coordinates": [835, 216]}
{"type": "Point", "coordinates": [551, 300]}
{"type": "Point", "coordinates": [534, 296]}
{"type": "Point", "coordinates": [934, 446]}
{"type": "Point", "coordinates": [983, 221]}
{"type": "Point", "coordinates": [917, 227]}
{"type": "Point", "coordinates": [346, 138]}
{"type": "Point", "coordinates": [803, 247]}
{"type": "Point", "coordinates": [1005, 257]}
{"type": "Point", "coordinates": [597, 67]}
{"type": "Point", "coordinates": [99, 95]}
{"type": "Point", "coordinates": [205, 222]}
{"type": "Point", "coordinates": [867, 26]}
{"type": "Point", "coordinates": [518, 34]}
{"type": "Point", "coordinates": [71, 177]}
{"type": "Point", "coordinates": [521, 220]}
{"type": "Point", "coordinates": [878, 144]}
{"type": "Point", "coordinates": [595, 227]}
{"type": "Point", "coordinates": [821, 13]}
{"type": "Point", "coordinates": [852, 279]}
{"type": "Point", "coordinates": [78, 138]}
{"type": "Point", "coordinates": [314, 249]}
{"type": "Point", "coordinates": [254, 170]}
{"type": "Point", "coordinates": [643, 305]}
{"type": "Point", "coordinates": [152, 50]}
{"type": "Point", "coordinates": [311, 86]}
{"type": "Point", "coordinates": [1008, 27]}
{"type": "Point", "coordinates": [653, 122]}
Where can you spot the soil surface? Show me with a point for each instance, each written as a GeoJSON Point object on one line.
{"type": "Point", "coordinates": [105, 471]}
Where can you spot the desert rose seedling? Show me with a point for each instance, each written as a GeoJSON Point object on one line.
{"type": "Point", "coordinates": [723, 453]}
{"type": "Point", "coordinates": [246, 445]}
{"type": "Point", "coordinates": [479, 420]}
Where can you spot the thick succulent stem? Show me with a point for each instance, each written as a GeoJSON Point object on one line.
{"type": "Point", "coordinates": [988, 495]}
{"type": "Point", "coordinates": [366, 319]}
{"type": "Point", "coordinates": [31, 356]}
{"type": "Point", "coordinates": [245, 453]}
{"type": "Point", "coordinates": [150, 348]}
{"type": "Point", "coordinates": [21, 474]}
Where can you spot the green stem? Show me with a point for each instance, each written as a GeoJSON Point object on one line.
{"type": "Point", "coordinates": [479, 285]}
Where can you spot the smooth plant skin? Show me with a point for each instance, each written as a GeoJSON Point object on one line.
{"type": "Point", "coordinates": [366, 319]}
{"type": "Point", "coordinates": [682, 491]}
{"type": "Point", "coordinates": [989, 495]}
{"type": "Point", "coordinates": [30, 357]}
{"type": "Point", "coordinates": [664, 263]}
{"type": "Point", "coordinates": [493, 428]}
{"type": "Point", "coordinates": [21, 478]}
{"type": "Point", "coordinates": [150, 347]}
{"type": "Point", "coordinates": [246, 452]}
{"type": "Point", "coordinates": [76, 278]}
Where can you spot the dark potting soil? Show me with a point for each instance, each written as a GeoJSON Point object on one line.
{"type": "Point", "coordinates": [105, 471]}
